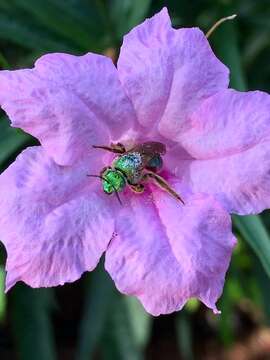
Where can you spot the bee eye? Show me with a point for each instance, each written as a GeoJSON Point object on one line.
{"type": "Point", "coordinates": [156, 162]}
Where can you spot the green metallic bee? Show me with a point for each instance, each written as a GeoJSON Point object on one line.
{"type": "Point", "coordinates": [133, 167]}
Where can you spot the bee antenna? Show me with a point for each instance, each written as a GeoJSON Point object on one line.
{"type": "Point", "coordinates": [117, 195]}
{"type": "Point", "coordinates": [96, 176]}
{"type": "Point", "coordinates": [102, 178]}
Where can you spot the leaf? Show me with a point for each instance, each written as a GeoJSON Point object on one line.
{"type": "Point", "coordinates": [57, 18]}
{"type": "Point", "coordinates": [83, 12]}
{"type": "Point", "coordinates": [140, 321]}
{"type": "Point", "coordinates": [27, 36]}
{"type": "Point", "coordinates": [184, 334]}
{"type": "Point", "coordinates": [264, 286]}
{"type": "Point", "coordinates": [99, 295]}
{"type": "Point", "coordinates": [119, 337]}
{"type": "Point", "coordinates": [226, 45]}
{"type": "Point", "coordinates": [3, 299]}
{"type": "Point", "coordinates": [11, 142]}
{"type": "Point", "coordinates": [254, 232]}
{"type": "Point", "coordinates": [126, 14]}
{"type": "Point", "coordinates": [225, 321]}
{"type": "Point", "coordinates": [3, 62]}
{"type": "Point", "coordinates": [31, 323]}
{"type": "Point", "coordinates": [122, 321]}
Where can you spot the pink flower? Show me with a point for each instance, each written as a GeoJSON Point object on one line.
{"type": "Point", "coordinates": [169, 87]}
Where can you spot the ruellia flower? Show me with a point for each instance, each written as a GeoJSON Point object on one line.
{"type": "Point", "coordinates": [166, 128]}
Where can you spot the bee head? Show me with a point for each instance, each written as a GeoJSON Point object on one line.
{"type": "Point", "coordinates": [113, 181]}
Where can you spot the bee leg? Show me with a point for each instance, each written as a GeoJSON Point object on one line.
{"type": "Point", "coordinates": [161, 183]}
{"type": "Point", "coordinates": [138, 188]}
{"type": "Point", "coordinates": [115, 148]}
{"type": "Point", "coordinates": [119, 147]}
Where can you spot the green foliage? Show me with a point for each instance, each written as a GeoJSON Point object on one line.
{"type": "Point", "coordinates": [184, 334]}
{"type": "Point", "coordinates": [121, 323]}
{"type": "Point", "coordinates": [126, 14]}
{"type": "Point", "coordinates": [99, 294]}
{"type": "Point", "coordinates": [11, 142]}
{"type": "Point", "coordinates": [3, 300]}
{"type": "Point", "coordinates": [32, 328]}
{"type": "Point", "coordinates": [254, 232]}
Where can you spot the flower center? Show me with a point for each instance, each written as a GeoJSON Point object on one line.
{"type": "Point", "coordinates": [134, 167]}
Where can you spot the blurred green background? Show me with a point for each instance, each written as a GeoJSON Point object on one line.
{"type": "Point", "coordinates": [89, 319]}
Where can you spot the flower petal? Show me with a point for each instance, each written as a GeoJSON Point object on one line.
{"type": "Point", "coordinates": [229, 142]}
{"type": "Point", "coordinates": [228, 123]}
{"type": "Point", "coordinates": [166, 253]}
{"type": "Point", "coordinates": [52, 222]}
{"type": "Point", "coordinates": [68, 102]}
{"type": "Point", "coordinates": [168, 72]}
{"type": "Point", "coordinates": [240, 182]}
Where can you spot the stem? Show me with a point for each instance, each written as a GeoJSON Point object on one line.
{"type": "Point", "coordinates": [218, 23]}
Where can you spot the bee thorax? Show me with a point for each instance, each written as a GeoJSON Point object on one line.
{"type": "Point", "coordinates": [130, 164]}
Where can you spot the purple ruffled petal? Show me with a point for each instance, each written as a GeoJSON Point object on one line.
{"type": "Point", "coordinates": [228, 123]}
{"type": "Point", "coordinates": [166, 253]}
{"type": "Point", "coordinates": [68, 102]}
{"type": "Point", "coordinates": [167, 73]}
{"type": "Point", "coordinates": [230, 144]}
{"type": "Point", "coordinates": [53, 222]}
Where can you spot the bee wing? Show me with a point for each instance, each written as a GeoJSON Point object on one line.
{"type": "Point", "coordinates": [148, 151]}
{"type": "Point", "coordinates": [150, 148]}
